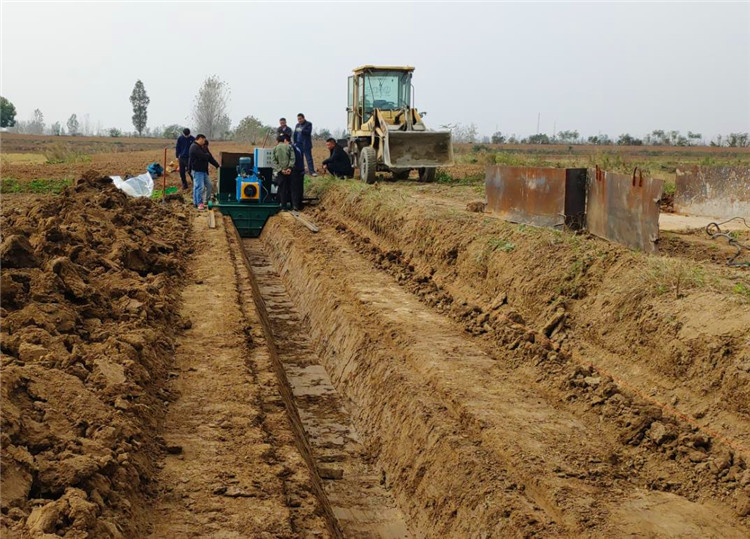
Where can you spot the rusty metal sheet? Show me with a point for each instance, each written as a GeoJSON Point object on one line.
{"type": "Point", "coordinates": [721, 192]}
{"type": "Point", "coordinates": [624, 208]}
{"type": "Point", "coordinates": [551, 197]}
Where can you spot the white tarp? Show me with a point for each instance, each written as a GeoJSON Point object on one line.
{"type": "Point", "coordinates": [137, 186]}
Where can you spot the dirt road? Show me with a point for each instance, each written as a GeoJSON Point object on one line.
{"type": "Point", "coordinates": [234, 468]}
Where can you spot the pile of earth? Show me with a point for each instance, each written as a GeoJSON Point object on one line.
{"type": "Point", "coordinates": [89, 307]}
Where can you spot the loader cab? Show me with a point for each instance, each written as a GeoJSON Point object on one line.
{"type": "Point", "coordinates": [387, 88]}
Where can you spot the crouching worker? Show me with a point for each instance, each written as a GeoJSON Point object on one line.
{"type": "Point", "coordinates": [200, 158]}
{"type": "Point", "coordinates": [338, 163]}
{"type": "Point", "coordinates": [283, 163]}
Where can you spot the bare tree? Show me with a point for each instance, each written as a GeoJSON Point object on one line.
{"type": "Point", "coordinates": [73, 125]}
{"type": "Point", "coordinates": [36, 126]}
{"type": "Point", "coordinates": [209, 112]}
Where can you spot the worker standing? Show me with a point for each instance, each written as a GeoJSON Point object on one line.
{"type": "Point", "coordinates": [298, 179]}
{"type": "Point", "coordinates": [200, 158]}
{"type": "Point", "coordinates": [338, 164]}
{"type": "Point", "coordinates": [303, 138]}
{"type": "Point", "coordinates": [283, 163]}
{"type": "Point", "coordinates": [182, 153]}
{"type": "Point", "coordinates": [283, 129]}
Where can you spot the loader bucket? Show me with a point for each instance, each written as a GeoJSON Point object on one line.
{"type": "Point", "coordinates": [416, 149]}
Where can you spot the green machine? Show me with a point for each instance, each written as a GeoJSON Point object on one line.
{"type": "Point", "coordinates": [246, 192]}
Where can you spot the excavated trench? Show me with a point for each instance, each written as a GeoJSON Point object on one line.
{"type": "Point", "coordinates": [349, 486]}
{"type": "Point", "coordinates": [414, 426]}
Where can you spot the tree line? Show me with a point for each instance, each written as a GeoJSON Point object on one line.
{"type": "Point", "coordinates": [658, 137]}
{"type": "Point", "coordinates": [209, 116]}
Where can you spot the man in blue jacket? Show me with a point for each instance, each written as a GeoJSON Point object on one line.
{"type": "Point", "coordinates": [303, 139]}
{"type": "Point", "coordinates": [182, 153]}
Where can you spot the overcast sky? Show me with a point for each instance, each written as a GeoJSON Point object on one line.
{"type": "Point", "coordinates": [595, 67]}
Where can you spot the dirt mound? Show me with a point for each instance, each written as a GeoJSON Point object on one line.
{"type": "Point", "coordinates": [89, 298]}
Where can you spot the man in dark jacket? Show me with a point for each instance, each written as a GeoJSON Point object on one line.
{"type": "Point", "coordinates": [338, 163]}
{"type": "Point", "coordinates": [303, 139]}
{"type": "Point", "coordinates": [182, 153]}
{"type": "Point", "coordinates": [200, 158]}
{"type": "Point", "coordinates": [283, 129]}
{"type": "Point", "coordinates": [298, 179]}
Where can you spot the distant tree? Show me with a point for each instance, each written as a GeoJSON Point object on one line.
{"type": "Point", "coordinates": [498, 138]}
{"type": "Point", "coordinates": [172, 131]}
{"type": "Point", "coordinates": [659, 137]}
{"type": "Point", "coordinates": [36, 125]}
{"type": "Point", "coordinates": [339, 133]}
{"type": "Point", "coordinates": [55, 129]}
{"type": "Point", "coordinates": [603, 140]}
{"type": "Point", "coordinates": [73, 125]}
{"type": "Point", "coordinates": [568, 136]}
{"type": "Point", "coordinates": [209, 111]}
{"type": "Point", "coordinates": [7, 113]}
{"type": "Point", "coordinates": [322, 134]}
{"type": "Point", "coordinates": [738, 140]}
{"type": "Point", "coordinates": [251, 130]}
{"type": "Point", "coordinates": [462, 133]}
{"type": "Point", "coordinates": [694, 138]}
{"type": "Point", "coordinates": [513, 139]}
{"type": "Point", "coordinates": [140, 100]}
{"type": "Point", "coordinates": [114, 132]}
{"type": "Point", "coordinates": [626, 140]}
{"type": "Point", "coordinates": [539, 138]}
{"type": "Point", "coordinates": [485, 139]}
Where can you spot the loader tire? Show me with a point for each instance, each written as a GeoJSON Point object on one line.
{"type": "Point", "coordinates": [368, 162]}
{"type": "Point", "coordinates": [401, 173]}
{"type": "Point", "coordinates": [427, 175]}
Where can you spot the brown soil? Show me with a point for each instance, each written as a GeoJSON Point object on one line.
{"type": "Point", "coordinates": [89, 304]}
{"type": "Point", "coordinates": [234, 469]}
{"type": "Point", "coordinates": [623, 302]}
{"type": "Point", "coordinates": [416, 368]}
{"type": "Point", "coordinates": [519, 439]}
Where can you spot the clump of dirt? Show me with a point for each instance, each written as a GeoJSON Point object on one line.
{"type": "Point", "coordinates": [89, 305]}
{"type": "Point", "coordinates": [666, 202]}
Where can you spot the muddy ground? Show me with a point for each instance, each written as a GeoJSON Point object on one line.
{"type": "Point", "coordinates": [413, 369]}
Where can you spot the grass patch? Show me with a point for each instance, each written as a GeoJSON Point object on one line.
{"type": "Point", "coordinates": [444, 177]}
{"type": "Point", "coordinates": [60, 153]}
{"type": "Point", "coordinates": [157, 193]}
{"type": "Point", "coordinates": [37, 186]}
{"type": "Point", "coordinates": [23, 159]}
{"type": "Point", "coordinates": [10, 185]}
{"type": "Point", "coordinates": [500, 244]}
{"type": "Point", "coordinates": [667, 275]}
{"type": "Point", "coordinates": [743, 290]}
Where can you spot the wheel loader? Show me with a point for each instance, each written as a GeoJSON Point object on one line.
{"type": "Point", "coordinates": [386, 132]}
